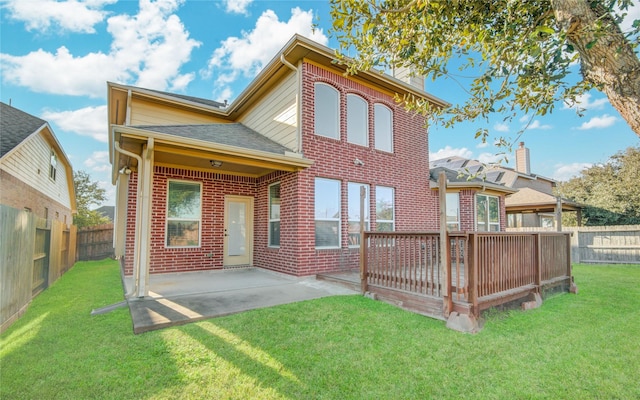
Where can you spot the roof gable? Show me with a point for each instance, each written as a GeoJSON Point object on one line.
{"type": "Point", "coordinates": [15, 127]}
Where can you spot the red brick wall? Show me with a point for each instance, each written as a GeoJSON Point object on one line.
{"type": "Point", "coordinates": [406, 169]}
{"type": "Point", "coordinates": [209, 255]}
{"type": "Point", "coordinates": [17, 194]}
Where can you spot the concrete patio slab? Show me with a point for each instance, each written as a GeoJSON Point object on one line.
{"type": "Point", "coordinates": [180, 298]}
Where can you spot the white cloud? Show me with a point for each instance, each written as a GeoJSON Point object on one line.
{"type": "Point", "coordinates": [598, 122]}
{"type": "Point", "coordinates": [73, 16]}
{"type": "Point", "coordinates": [88, 121]}
{"type": "Point", "coordinates": [583, 102]}
{"type": "Point", "coordinates": [491, 158]}
{"type": "Point", "coordinates": [564, 172]}
{"type": "Point", "coordinates": [449, 151]}
{"type": "Point", "coordinates": [237, 6]}
{"type": "Point", "coordinates": [98, 161]}
{"type": "Point", "coordinates": [482, 145]}
{"type": "Point", "coordinates": [501, 127]}
{"type": "Point", "coordinates": [537, 125]}
{"type": "Point", "coordinates": [148, 50]}
{"type": "Point", "coordinates": [247, 55]}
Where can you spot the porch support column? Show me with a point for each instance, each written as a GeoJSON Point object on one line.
{"type": "Point", "coordinates": [144, 240]}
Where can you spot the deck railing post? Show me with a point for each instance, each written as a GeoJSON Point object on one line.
{"type": "Point", "coordinates": [363, 242]}
{"type": "Point", "coordinates": [445, 261]}
{"type": "Point", "coordinates": [538, 262]}
{"type": "Point", "coordinates": [473, 273]}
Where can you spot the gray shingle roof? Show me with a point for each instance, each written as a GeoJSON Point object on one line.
{"type": "Point", "coordinates": [452, 176]}
{"type": "Point", "coordinates": [15, 126]}
{"type": "Point", "coordinates": [234, 134]}
{"type": "Point", "coordinates": [192, 99]}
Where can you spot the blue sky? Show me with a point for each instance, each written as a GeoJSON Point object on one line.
{"type": "Point", "coordinates": [56, 57]}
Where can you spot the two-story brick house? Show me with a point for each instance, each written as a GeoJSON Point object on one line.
{"type": "Point", "coordinates": [273, 179]}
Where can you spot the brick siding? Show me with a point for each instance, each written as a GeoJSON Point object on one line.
{"type": "Point", "coordinates": [17, 194]}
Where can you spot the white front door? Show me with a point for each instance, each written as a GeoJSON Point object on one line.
{"type": "Point", "coordinates": [238, 230]}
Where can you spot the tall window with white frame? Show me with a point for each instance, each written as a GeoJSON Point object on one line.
{"type": "Point", "coordinates": [357, 120]}
{"type": "Point", "coordinates": [353, 209]}
{"type": "Point", "coordinates": [327, 110]}
{"type": "Point", "coordinates": [453, 211]}
{"type": "Point", "coordinates": [183, 214]}
{"type": "Point", "coordinates": [53, 165]}
{"type": "Point", "coordinates": [327, 213]}
{"type": "Point", "coordinates": [487, 213]}
{"type": "Point", "coordinates": [274, 215]}
{"type": "Point", "coordinates": [383, 127]}
{"type": "Point", "coordinates": [385, 209]}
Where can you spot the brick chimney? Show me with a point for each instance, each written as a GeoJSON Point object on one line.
{"type": "Point", "coordinates": [522, 160]}
{"type": "Point", "coordinates": [404, 74]}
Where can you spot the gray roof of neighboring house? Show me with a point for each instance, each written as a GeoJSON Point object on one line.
{"type": "Point", "coordinates": [464, 179]}
{"type": "Point", "coordinates": [234, 134]}
{"type": "Point", "coordinates": [190, 98]}
{"type": "Point", "coordinates": [107, 211]}
{"type": "Point", "coordinates": [492, 173]}
{"type": "Point", "coordinates": [15, 127]}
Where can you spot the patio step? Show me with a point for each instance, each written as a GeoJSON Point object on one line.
{"type": "Point", "coordinates": [348, 279]}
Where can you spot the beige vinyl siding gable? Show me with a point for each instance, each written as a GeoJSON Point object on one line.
{"type": "Point", "coordinates": [276, 114]}
{"type": "Point", "coordinates": [29, 162]}
{"type": "Point", "coordinates": [150, 113]}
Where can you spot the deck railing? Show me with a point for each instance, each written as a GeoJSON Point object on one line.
{"type": "Point", "coordinates": [404, 261]}
{"type": "Point", "coordinates": [485, 269]}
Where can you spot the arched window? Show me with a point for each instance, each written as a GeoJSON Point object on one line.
{"type": "Point", "coordinates": [383, 126]}
{"type": "Point", "coordinates": [327, 111]}
{"type": "Point", "coordinates": [357, 120]}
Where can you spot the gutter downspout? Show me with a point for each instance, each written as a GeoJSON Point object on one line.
{"type": "Point", "coordinates": [136, 246]}
{"type": "Point", "coordinates": [298, 105]}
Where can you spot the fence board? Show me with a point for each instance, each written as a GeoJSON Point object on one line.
{"type": "Point", "coordinates": [600, 244]}
{"type": "Point", "coordinates": [16, 260]}
{"type": "Point", "coordinates": [32, 256]}
{"type": "Point", "coordinates": [95, 242]}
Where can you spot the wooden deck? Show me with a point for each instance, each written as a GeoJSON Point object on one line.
{"type": "Point", "coordinates": [476, 271]}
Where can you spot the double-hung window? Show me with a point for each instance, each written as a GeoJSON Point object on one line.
{"type": "Point", "coordinates": [327, 213]}
{"type": "Point", "coordinates": [53, 165]}
{"type": "Point", "coordinates": [327, 111]}
{"type": "Point", "coordinates": [183, 214]}
{"type": "Point", "coordinates": [274, 215]}
{"type": "Point", "coordinates": [385, 213]}
{"type": "Point", "coordinates": [487, 213]}
{"type": "Point", "coordinates": [383, 126]}
{"type": "Point", "coordinates": [353, 199]}
{"type": "Point", "coordinates": [357, 120]}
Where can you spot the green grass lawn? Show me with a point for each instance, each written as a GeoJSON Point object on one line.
{"type": "Point", "coordinates": [348, 347]}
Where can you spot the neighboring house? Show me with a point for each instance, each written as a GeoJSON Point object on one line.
{"type": "Point", "coordinates": [273, 179]}
{"type": "Point", "coordinates": [107, 212]}
{"type": "Point", "coordinates": [35, 173]}
{"type": "Point", "coordinates": [532, 203]}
